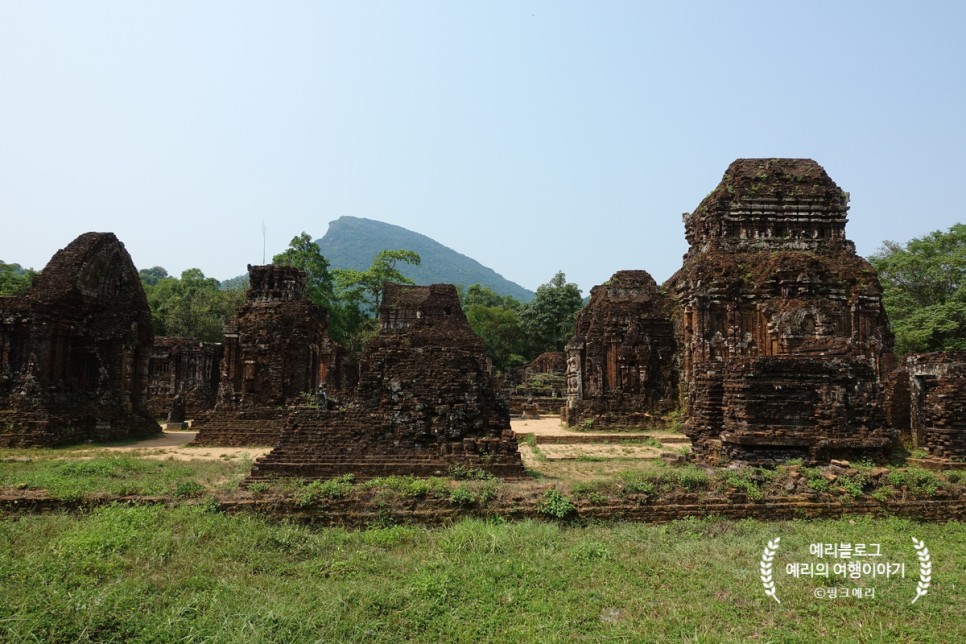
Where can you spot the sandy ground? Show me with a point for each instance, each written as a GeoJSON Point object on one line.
{"type": "Point", "coordinates": [559, 458]}
{"type": "Point", "coordinates": [173, 445]}
{"type": "Point", "coordinates": [552, 427]}
{"type": "Point", "coordinates": [565, 451]}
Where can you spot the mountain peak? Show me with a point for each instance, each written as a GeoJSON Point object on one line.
{"type": "Point", "coordinates": [353, 242]}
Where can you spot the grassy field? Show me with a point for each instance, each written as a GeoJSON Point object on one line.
{"type": "Point", "coordinates": [184, 571]}
{"type": "Point", "coordinates": [75, 474]}
{"type": "Point", "coordinates": [190, 573]}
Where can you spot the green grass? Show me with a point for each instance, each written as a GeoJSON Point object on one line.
{"type": "Point", "coordinates": [749, 480]}
{"type": "Point", "coordinates": [537, 452]}
{"type": "Point", "coordinates": [311, 493]}
{"type": "Point", "coordinates": [660, 478]}
{"type": "Point", "coordinates": [75, 478]}
{"type": "Point", "coordinates": [186, 572]}
{"type": "Point", "coordinates": [191, 574]}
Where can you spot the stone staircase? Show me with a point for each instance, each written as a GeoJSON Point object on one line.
{"type": "Point", "coordinates": [239, 428]}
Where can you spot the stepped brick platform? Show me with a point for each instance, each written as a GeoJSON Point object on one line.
{"type": "Point", "coordinates": [425, 402]}
{"type": "Point", "coordinates": [620, 361]}
{"type": "Point", "coordinates": [770, 274]}
{"type": "Point", "coordinates": [246, 428]}
{"type": "Point", "coordinates": [324, 444]}
{"type": "Point", "coordinates": [74, 350]}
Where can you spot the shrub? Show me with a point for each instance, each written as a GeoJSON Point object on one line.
{"type": "Point", "coordinates": [462, 495]}
{"type": "Point", "coordinates": [883, 494]}
{"type": "Point", "coordinates": [469, 473]}
{"type": "Point", "coordinates": [815, 479]}
{"type": "Point", "coordinates": [487, 492]}
{"type": "Point", "coordinates": [258, 487]}
{"type": "Point", "coordinates": [744, 479]}
{"type": "Point", "coordinates": [554, 504]}
{"type": "Point", "coordinates": [409, 486]}
{"type": "Point", "coordinates": [853, 484]}
{"type": "Point", "coordinates": [336, 488]}
{"type": "Point", "coordinates": [589, 489]}
{"type": "Point", "coordinates": [635, 483]}
{"type": "Point", "coordinates": [918, 481]}
{"type": "Point", "coordinates": [691, 477]}
{"type": "Point", "coordinates": [187, 489]}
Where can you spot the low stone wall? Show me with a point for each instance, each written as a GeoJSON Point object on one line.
{"type": "Point", "coordinates": [351, 513]}
{"type": "Point", "coordinates": [435, 511]}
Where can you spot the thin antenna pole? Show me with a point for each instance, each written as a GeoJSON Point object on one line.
{"type": "Point", "coordinates": [263, 242]}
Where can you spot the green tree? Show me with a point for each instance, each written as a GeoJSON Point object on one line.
{"type": "Point", "coordinates": [358, 293]}
{"type": "Point", "coordinates": [153, 275]}
{"type": "Point", "coordinates": [304, 253]}
{"type": "Point", "coordinates": [365, 287]}
{"type": "Point", "coordinates": [347, 324]}
{"type": "Point", "coordinates": [924, 290]}
{"type": "Point", "coordinates": [496, 320]}
{"type": "Point", "coordinates": [548, 321]}
{"type": "Point", "coordinates": [193, 306]}
{"type": "Point", "coordinates": [14, 279]}
{"type": "Point", "coordinates": [477, 294]}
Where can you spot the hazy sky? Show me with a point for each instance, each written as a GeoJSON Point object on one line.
{"type": "Point", "coordinates": [531, 136]}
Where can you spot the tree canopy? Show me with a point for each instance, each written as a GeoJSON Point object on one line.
{"type": "Point", "coordinates": [14, 279]}
{"type": "Point", "coordinates": [549, 320]}
{"type": "Point", "coordinates": [304, 253]}
{"type": "Point", "coordinates": [496, 319]}
{"type": "Point", "coordinates": [193, 306]}
{"type": "Point", "coordinates": [366, 286]}
{"type": "Point", "coordinates": [924, 290]}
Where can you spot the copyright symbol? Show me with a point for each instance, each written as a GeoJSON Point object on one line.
{"type": "Point", "coordinates": [819, 593]}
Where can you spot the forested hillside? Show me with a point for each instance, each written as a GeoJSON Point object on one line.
{"type": "Point", "coordinates": [352, 243]}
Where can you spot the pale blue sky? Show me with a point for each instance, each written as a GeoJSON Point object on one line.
{"type": "Point", "coordinates": [531, 136]}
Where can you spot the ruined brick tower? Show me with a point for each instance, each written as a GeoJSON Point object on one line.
{"type": "Point", "coordinates": [783, 338]}
{"type": "Point", "coordinates": [425, 402]}
{"type": "Point", "coordinates": [74, 350]}
{"type": "Point", "coordinates": [620, 362]}
{"type": "Point", "coordinates": [272, 349]}
{"type": "Point", "coordinates": [275, 350]}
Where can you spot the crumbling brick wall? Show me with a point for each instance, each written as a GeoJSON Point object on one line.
{"type": "Point", "coordinates": [620, 361]}
{"type": "Point", "coordinates": [770, 273]}
{"type": "Point", "coordinates": [74, 350]}
{"type": "Point", "coordinates": [184, 368]}
{"type": "Point", "coordinates": [425, 402]}
{"type": "Point", "coordinates": [896, 402]}
{"type": "Point", "coordinates": [937, 403]}
{"type": "Point", "coordinates": [776, 408]}
{"type": "Point", "coordinates": [554, 362]}
{"type": "Point", "coordinates": [538, 387]}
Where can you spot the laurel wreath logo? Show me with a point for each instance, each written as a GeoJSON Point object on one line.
{"type": "Point", "coordinates": [767, 557]}
{"type": "Point", "coordinates": [925, 569]}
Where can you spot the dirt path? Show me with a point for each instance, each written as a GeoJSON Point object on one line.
{"type": "Point", "coordinates": [174, 445]}
{"type": "Point", "coordinates": [552, 428]}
